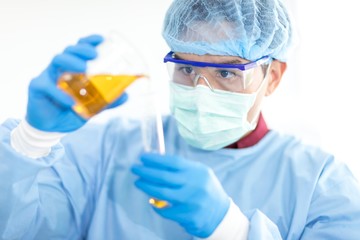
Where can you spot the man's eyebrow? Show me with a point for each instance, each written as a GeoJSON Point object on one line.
{"type": "Point", "coordinates": [234, 61]}
{"type": "Point", "coordinates": [177, 57]}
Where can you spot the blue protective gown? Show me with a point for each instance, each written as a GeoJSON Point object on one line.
{"type": "Point", "coordinates": [85, 190]}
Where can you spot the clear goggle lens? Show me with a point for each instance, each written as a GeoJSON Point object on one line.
{"type": "Point", "coordinates": [227, 79]}
{"type": "Point", "coordinates": [241, 78]}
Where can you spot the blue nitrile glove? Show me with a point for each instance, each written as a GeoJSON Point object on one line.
{"type": "Point", "coordinates": [49, 108]}
{"type": "Point", "coordinates": [197, 200]}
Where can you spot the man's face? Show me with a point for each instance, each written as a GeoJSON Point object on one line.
{"type": "Point", "coordinates": [257, 76]}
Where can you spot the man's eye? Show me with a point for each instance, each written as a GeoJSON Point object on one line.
{"type": "Point", "coordinates": [226, 74]}
{"type": "Point", "coordinates": [186, 70]}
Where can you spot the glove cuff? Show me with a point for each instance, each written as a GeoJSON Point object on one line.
{"type": "Point", "coordinates": [32, 142]}
{"type": "Point", "coordinates": [234, 226]}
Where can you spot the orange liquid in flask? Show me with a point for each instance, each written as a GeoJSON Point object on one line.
{"type": "Point", "coordinates": [93, 93]}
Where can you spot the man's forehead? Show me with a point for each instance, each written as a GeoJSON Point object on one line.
{"type": "Point", "coordinates": [211, 58]}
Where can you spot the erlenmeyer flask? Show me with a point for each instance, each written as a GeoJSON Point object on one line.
{"type": "Point", "coordinates": [116, 66]}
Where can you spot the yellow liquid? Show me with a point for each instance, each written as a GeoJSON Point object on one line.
{"type": "Point", "coordinates": [158, 203]}
{"type": "Point", "coordinates": [93, 93]}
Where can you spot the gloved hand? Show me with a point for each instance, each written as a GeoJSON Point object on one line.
{"type": "Point", "coordinates": [197, 200]}
{"type": "Point", "coordinates": [49, 108]}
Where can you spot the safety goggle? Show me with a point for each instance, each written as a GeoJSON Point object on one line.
{"type": "Point", "coordinates": [229, 77]}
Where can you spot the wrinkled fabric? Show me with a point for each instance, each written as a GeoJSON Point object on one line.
{"type": "Point", "coordinates": [249, 29]}
{"type": "Point", "coordinates": [85, 190]}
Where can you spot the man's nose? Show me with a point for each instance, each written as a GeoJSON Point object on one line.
{"type": "Point", "coordinates": [202, 80]}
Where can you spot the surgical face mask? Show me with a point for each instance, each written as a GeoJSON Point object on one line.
{"type": "Point", "coordinates": [211, 119]}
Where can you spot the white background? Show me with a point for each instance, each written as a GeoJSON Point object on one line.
{"type": "Point", "coordinates": [317, 100]}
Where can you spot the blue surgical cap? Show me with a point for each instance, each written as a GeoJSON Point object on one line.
{"type": "Point", "coordinates": [249, 29]}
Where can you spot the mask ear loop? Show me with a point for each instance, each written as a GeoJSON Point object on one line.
{"type": "Point", "coordinates": [256, 117]}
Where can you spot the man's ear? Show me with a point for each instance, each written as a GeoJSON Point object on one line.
{"type": "Point", "coordinates": [276, 72]}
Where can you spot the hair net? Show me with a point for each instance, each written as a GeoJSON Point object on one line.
{"type": "Point", "coordinates": [249, 29]}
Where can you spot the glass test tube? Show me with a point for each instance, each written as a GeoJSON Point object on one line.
{"type": "Point", "coordinates": [153, 138]}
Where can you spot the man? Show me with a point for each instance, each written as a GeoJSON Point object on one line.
{"type": "Point", "coordinates": [225, 174]}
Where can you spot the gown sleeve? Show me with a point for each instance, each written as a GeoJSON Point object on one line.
{"type": "Point", "coordinates": [48, 197]}
{"type": "Point", "coordinates": [334, 211]}
{"type": "Point", "coordinates": [335, 208]}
